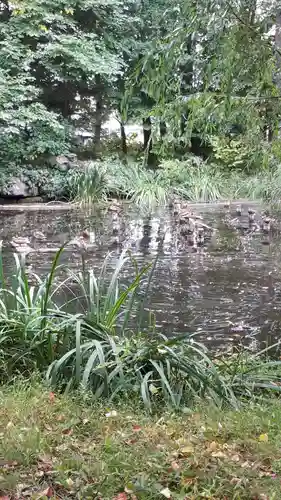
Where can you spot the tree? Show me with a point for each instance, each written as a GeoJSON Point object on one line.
{"type": "Point", "coordinates": [213, 74]}
{"type": "Point", "coordinates": [61, 53]}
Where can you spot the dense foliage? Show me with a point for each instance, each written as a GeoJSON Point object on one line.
{"type": "Point", "coordinates": [201, 78]}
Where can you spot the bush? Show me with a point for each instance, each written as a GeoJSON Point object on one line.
{"type": "Point", "coordinates": [236, 153]}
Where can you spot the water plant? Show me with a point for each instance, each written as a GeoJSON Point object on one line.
{"type": "Point", "coordinates": [143, 187]}
{"type": "Point", "coordinates": [88, 186]}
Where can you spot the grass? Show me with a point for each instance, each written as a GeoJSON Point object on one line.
{"type": "Point", "coordinates": [55, 446]}
{"type": "Point", "coordinates": [114, 178]}
{"type": "Point", "coordinates": [191, 179]}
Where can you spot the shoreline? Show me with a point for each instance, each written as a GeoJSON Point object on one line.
{"type": "Point", "coordinates": [21, 207]}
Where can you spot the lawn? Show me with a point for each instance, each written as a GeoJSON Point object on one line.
{"type": "Point", "coordinates": [65, 447]}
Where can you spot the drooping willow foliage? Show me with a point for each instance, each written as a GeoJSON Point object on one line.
{"type": "Point", "coordinates": [215, 73]}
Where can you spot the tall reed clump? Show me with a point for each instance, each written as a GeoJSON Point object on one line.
{"type": "Point", "coordinates": [114, 178]}
{"type": "Point", "coordinates": [103, 346]}
{"type": "Point", "coordinates": [88, 186]}
{"type": "Point", "coordinates": [194, 179]}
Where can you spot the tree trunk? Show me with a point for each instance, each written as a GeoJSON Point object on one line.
{"type": "Point", "coordinates": [147, 142]}
{"type": "Point", "coordinates": [278, 48]}
{"type": "Point", "coordinates": [99, 112]}
{"type": "Point", "coordinates": [163, 130]}
{"type": "Point", "coordinates": [98, 122]}
{"type": "Point", "coordinates": [123, 139]}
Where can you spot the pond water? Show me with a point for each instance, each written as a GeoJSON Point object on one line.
{"type": "Point", "coordinates": [228, 291]}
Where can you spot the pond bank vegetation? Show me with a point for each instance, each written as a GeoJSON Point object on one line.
{"type": "Point", "coordinates": [172, 179]}
{"type": "Point", "coordinates": [96, 403]}
{"type": "Point", "coordinates": [109, 346]}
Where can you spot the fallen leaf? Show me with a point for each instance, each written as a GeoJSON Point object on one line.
{"type": "Point", "coordinates": [51, 397]}
{"type": "Point", "coordinates": [11, 464]}
{"type": "Point", "coordinates": [175, 465]}
{"type": "Point", "coordinates": [186, 450]}
{"type": "Point", "coordinates": [128, 489]}
{"type": "Point", "coordinates": [219, 454]}
{"type": "Point", "coordinates": [45, 463]}
{"type": "Point", "coordinates": [121, 496]}
{"type": "Point", "coordinates": [67, 432]}
{"type": "Point", "coordinates": [153, 389]}
{"type": "Point", "coordinates": [263, 438]}
{"type": "Point", "coordinates": [111, 414]}
{"type": "Point", "coordinates": [69, 482]}
{"type": "Point", "coordinates": [136, 428]}
{"type": "Point", "coordinates": [213, 446]}
{"type": "Point", "coordinates": [5, 497]}
{"type": "Point", "coordinates": [166, 493]}
{"type": "Point", "coordinates": [48, 492]}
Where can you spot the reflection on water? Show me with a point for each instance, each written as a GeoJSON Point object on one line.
{"type": "Point", "coordinates": [229, 289]}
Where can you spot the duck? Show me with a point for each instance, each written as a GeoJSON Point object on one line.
{"type": "Point", "coordinates": [239, 210]}
{"type": "Point", "coordinates": [251, 215]}
{"type": "Point", "coordinates": [21, 244]}
{"type": "Point", "coordinates": [38, 235]}
{"type": "Point", "coordinates": [266, 225]}
{"type": "Point", "coordinates": [115, 207]}
{"type": "Point", "coordinates": [200, 236]}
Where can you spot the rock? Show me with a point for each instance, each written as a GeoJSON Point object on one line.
{"type": "Point", "coordinates": [20, 189]}
{"type": "Point", "coordinates": [64, 162]}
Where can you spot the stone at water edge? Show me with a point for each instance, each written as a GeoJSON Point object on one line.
{"type": "Point", "coordinates": [19, 189]}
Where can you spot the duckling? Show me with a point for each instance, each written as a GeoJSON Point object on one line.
{"type": "Point", "coordinates": [80, 242]}
{"type": "Point", "coordinates": [89, 236]}
{"type": "Point", "coordinates": [176, 209]}
{"type": "Point", "coordinates": [251, 215]}
{"type": "Point", "coordinates": [226, 204]}
{"type": "Point", "coordinates": [38, 235]}
{"type": "Point", "coordinates": [185, 228]}
{"type": "Point", "coordinates": [192, 239]}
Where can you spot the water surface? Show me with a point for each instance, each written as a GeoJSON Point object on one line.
{"type": "Point", "coordinates": [228, 291]}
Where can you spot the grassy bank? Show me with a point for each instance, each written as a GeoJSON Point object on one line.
{"type": "Point", "coordinates": [191, 179]}
{"type": "Point", "coordinates": [67, 447]}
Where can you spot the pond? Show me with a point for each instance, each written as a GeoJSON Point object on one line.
{"type": "Point", "coordinates": [229, 290]}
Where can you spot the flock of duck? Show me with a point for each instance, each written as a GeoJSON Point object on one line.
{"type": "Point", "coordinates": [257, 223]}
{"type": "Point", "coordinates": [189, 227]}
